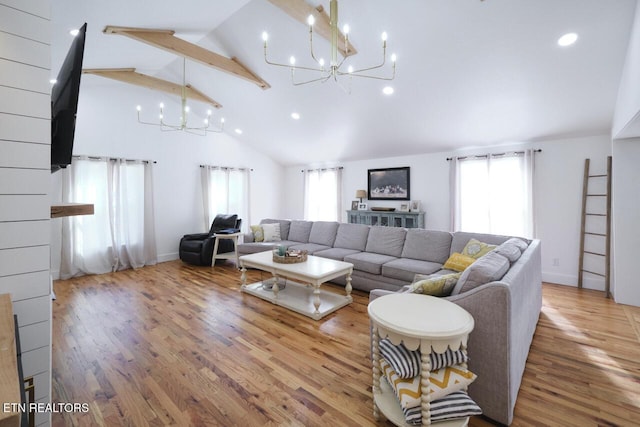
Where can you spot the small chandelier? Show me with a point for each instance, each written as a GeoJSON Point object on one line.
{"type": "Point", "coordinates": [184, 111]}
{"type": "Point", "coordinates": [333, 70]}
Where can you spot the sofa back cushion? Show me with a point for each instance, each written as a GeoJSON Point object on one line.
{"type": "Point", "coordinates": [427, 245]}
{"type": "Point", "coordinates": [299, 231]}
{"type": "Point", "coordinates": [323, 232]}
{"type": "Point", "coordinates": [461, 238]}
{"type": "Point", "coordinates": [352, 236]}
{"type": "Point", "coordinates": [488, 268]}
{"type": "Point", "coordinates": [284, 226]}
{"type": "Point", "coordinates": [386, 240]}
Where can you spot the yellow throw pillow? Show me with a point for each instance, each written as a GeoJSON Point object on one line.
{"type": "Point", "coordinates": [458, 262]}
{"type": "Point", "coordinates": [437, 286]}
{"type": "Point", "coordinates": [258, 234]}
{"type": "Point", "coordinates": [475, 248]}
{"type": "Point", "coordinates": [443, 381]}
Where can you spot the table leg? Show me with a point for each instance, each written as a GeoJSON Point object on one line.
{"type": "Point", "coordinates": [425, 384]}
{"type": "Point", "coordinates": [215, 252]}
{"type": "Point", "coordinates": [348, 286]}
{"type": "Point", "coordinates": [376, 371]}
{"type": "Point", "coordinates": [275, 287]}
{"type": "Point", "coordinates": [316, 298]}
{"type": "Point", "coordinates": [235, 249]}
{"type": "Point", "coordinates": [243, 277]}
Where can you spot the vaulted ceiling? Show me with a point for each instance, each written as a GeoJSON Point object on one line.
{"type": "Point", "coordinates": [470, 73]}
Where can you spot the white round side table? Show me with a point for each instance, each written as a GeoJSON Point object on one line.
{"type": "Point", "coordinates": [418, 321]}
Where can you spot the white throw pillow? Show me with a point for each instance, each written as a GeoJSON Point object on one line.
{"type": "Point", "coordinates": [271, 232]}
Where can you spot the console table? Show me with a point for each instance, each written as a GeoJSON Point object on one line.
{"type": "Point", "coordinates": [387, 218]}
{"type": "Point", "coordinates": [432, 325]}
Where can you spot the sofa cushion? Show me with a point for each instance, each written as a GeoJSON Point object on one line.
{"type": "Point", "coordinates": [336, 253]}
{"type": "Point", "coordinates": [271, 232]}
{"type": "Point", "coordinates": [386, 240]}
{"type": "Point", "coordinates": [406, 268]}
{"type": "Point", "coordinates": [299, 231]}
{"type": "Point", "coordinates": [311, 248]}
{"type": "Point", "coordinates": [258, 234]}
{"type": "Point", "coordinates": [254, 247]}
{"type": "Point", "coordinates": [368, 262]}
{"type": "Point", "coordinates": [352, 236]}
{"type": "Point", "coordinates": [427, 245]}
{"type": "Point", "coordinates": [512, 248]}
{"type": "Point", "coordinates": [488, 268]}
{"type": "Point", "coordinates": [284, 226]}
{"type": "Point", "coordinates": [437, 286]}
{"type": "Point", "coordinates": [323, 233]}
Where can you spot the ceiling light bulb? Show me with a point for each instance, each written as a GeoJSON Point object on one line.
{"type": "Point", "coordinates": [321, 62]}
{"type": "Point", "coordinates": [138, 108]}
{"type": "Point", "coordinates": [350, 69]}
{"type": "Point", "coordinates": [345, 29]}
{"type": "Point", "coordinates": [161, 116]}
{"type": "Point", "coordinates": [567, 39]}
{"type": "Point", "coordinates": [222, 120]}
{"type": "Point", "coordinates": [292, 60]}
{"type": "Point", "coordinates": [295, 116]}
{"type": "Point", "coordinates": [186, 108]}
{"type": "Point", "coordinates": [265, 36]}
{"type": "Point", "coordinates": [208, 112]}
{"type": "Point", "coordinates": [53, 81]}
{"type": "Point", "coordinates": [388, 90]}
{"type": "Point", "coordinates": [206, 122]}
{"type": "Point", "coordinates": [311, 20]}
{"type": "Point", "coordinates": [74, 32]}
{"type": "Point", "coordinates": [384, 36]}
{"type": "Point", "coordinates": [161, 105]}
{"type": "Point", "coordinates": [238, 131]}
{"type": "Point", "coordinates": [394, 58]}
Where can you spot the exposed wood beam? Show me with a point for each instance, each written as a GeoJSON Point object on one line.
{"type": "Point", "coordinates": [166, 40]}
{"type": "Point", "coordinates": [129, 75]}
{"type": "Point", "coordinates": [300, 11]}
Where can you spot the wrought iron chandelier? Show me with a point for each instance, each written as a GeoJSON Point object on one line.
{"type": "Point", "coordinates": [333, 70]}
{"type": "Point", "coordinates": [184, 111]}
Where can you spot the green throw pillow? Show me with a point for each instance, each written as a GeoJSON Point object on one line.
{"type": "Point", "coordinates": [258, 234]}
{"type": "Point", "coordinates": [437, 286]}
{"type": "Point", "coordinates": [475, 248]}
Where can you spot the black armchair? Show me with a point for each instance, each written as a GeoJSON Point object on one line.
{"type": "Point", "coordinates": [197, 248]}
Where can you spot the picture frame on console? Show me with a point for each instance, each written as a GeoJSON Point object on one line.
{"type": "Point", "coordinates": [354, 205]}
{"type": "Point", "coordinates": [404, 207]}
{"type": "Point", "coordinates": [415, 206]}
{"type": "Point", "coordinates": [362, 206]}
{"type": "Point", "coordinates": [389, 184]}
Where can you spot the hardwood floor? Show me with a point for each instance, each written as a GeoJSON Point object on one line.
{"type": "Point", "coordinates": [179, 345]}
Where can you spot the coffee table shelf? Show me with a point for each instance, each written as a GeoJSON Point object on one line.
{"type": "Point", "coordinates": [302, 294]}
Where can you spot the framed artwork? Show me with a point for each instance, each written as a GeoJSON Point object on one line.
{"type": "Point", "coordinates": [389, 184]}
{"type": "Point", "coordinates": [362, 206]}
{"type": "Point", "coordinates": [404, 207]}
{"type": "Point", "coordinates": [415, 206]}
{"type": "Point", "coordinates": [354, 205]}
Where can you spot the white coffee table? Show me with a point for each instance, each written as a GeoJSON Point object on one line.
{"type": "Point", "coordinates": [304, 296]}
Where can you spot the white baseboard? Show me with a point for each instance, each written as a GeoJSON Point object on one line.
{"type": "Point", "coordinates": [168, 257]}
{"type": "Point", "coordinates": [571, 280]}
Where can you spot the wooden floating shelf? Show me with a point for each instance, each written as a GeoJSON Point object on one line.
{"type": "Point", "coordinates": [71, 209]}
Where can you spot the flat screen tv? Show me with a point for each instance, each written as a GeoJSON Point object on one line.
{"type": "Point", "coordinates": [64, 103]}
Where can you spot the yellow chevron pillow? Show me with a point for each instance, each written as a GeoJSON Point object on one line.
{"type": "Point", "coordinates": [458, 262]}
{"type": "Point", "coordinates": [475, 248]}
{"type": "Point", "coordinates": [443, 381]}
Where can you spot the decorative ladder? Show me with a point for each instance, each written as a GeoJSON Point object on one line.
{"type": "Point", "coordinates": [607, 235]}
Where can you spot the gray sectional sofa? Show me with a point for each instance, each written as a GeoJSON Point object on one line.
{"type": "Point", "coordinates": [386, 259]}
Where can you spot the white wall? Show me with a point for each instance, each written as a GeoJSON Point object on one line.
{"type": "Point", "coordinates": [626, 120]}
{"type": "Point", "coordinates": [107, 126]}
{"type": "Point", "coordinates": [558, 198]}
{"type": "Point", "coordinates": [25, 130]}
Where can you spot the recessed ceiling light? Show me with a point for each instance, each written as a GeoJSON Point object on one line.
{"type": "Point", "coordinates": [567, 39]}
{"type": "Point", "coordinates": [388, 90]}
{"type": "Point", "coordinates": [74, 32]}
{"type": "Point", "coordinates": [239, 131]}
{"type": "Point", "coordinates": [295, 116]}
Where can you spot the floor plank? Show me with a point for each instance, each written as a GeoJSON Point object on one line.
{"type": "Point", "coordinates": [179, 345]}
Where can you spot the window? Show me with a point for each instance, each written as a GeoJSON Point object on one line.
{"type": "Point", "coordinates": [493, 194]}
{"type": "Point", "coordinates": [120, 234]}
{"type": "Point", "coordinates": [225, 191]}
{"type": "Point", "coordinates": [323, 194]}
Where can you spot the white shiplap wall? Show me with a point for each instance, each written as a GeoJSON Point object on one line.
{"type": "Point", "coordinates": [25, 181]}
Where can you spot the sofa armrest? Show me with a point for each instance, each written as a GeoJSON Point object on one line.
{"type": "Point", "coordinates": [195, 236]}
{"type": "Point", "coordinates": [247, 238]}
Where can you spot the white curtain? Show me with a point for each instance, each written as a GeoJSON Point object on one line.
{"type": "Point", "coordinates": [493, 193]}
{"type": "Point", "coordinates": [225, 191]}
{"type": "Point", "coordinates": [323, 194]}
{"type": "Point", "coordinates": [121, 232]}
